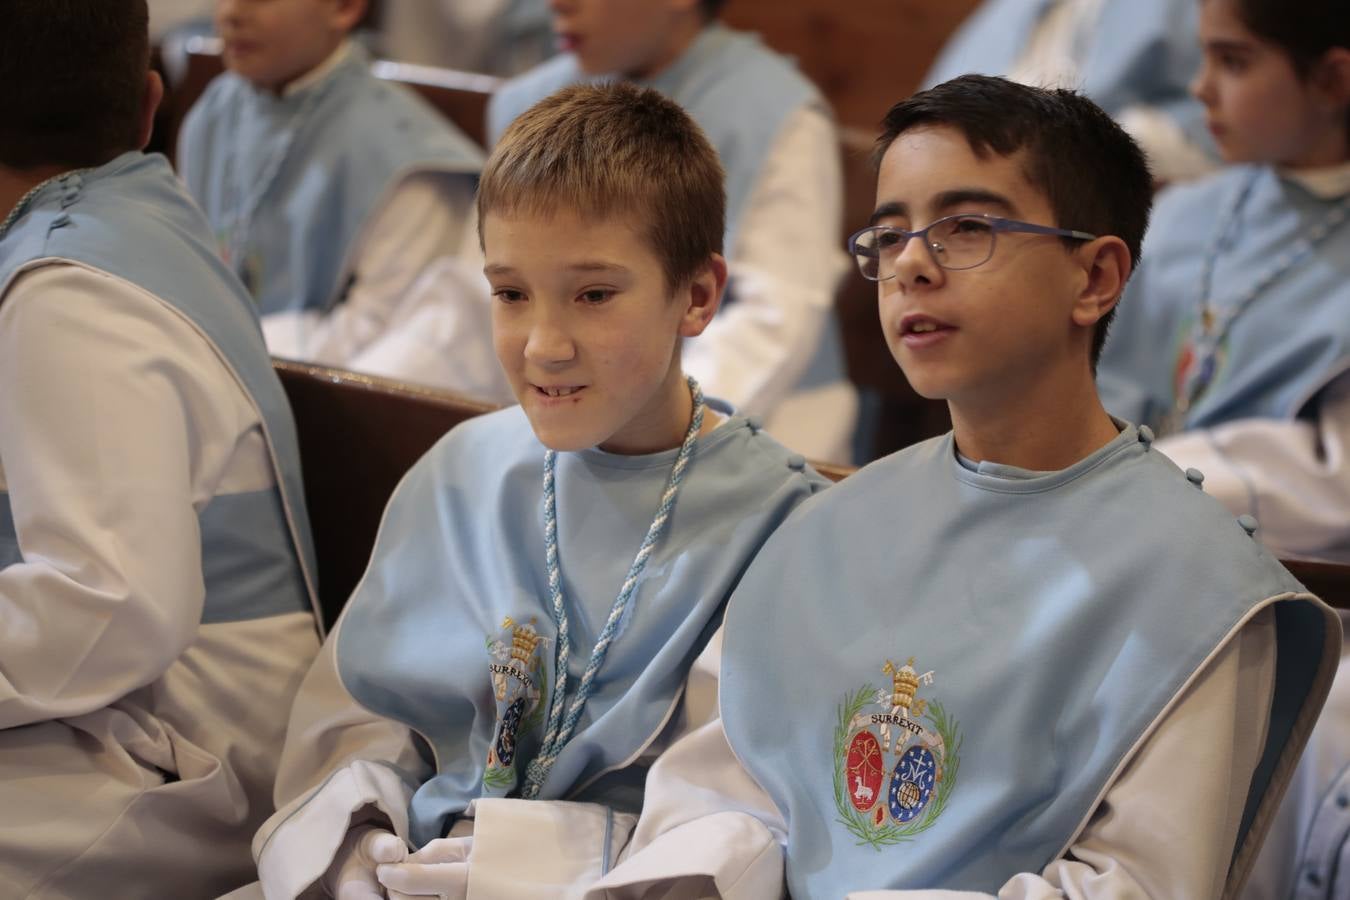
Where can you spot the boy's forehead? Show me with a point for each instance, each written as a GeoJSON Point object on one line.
{"type": "Point", "coordinates": [925, 165]}
{"type": "Point", "coordinates": [569, 232]}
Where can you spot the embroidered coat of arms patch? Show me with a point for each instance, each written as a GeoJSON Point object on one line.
{"type": "Point", "coordinates": [896, 758]}
{"type": "Point", "coordinates": [518, 682]}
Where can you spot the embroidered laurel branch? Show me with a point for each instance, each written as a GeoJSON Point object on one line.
{"type": "Point", "coordinates": [496, 778]}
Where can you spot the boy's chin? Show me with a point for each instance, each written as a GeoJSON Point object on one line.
{"type": "Point", "coordinates": [563, 440]}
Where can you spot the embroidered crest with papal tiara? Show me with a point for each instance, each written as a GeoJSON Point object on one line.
{"type": "Point", "coordinates": [519, 678]}
{"type": "Point", "coordinates": [896, 758]}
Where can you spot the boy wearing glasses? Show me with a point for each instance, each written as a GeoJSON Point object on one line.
{"type": "Point", "coordinates": [1033, 658]}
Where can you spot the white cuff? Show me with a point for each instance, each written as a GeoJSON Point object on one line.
{"type": "Point", "coordinates": [545, 849]}
{"type": "Point", "coordinates": [735, 851]}
{"type": "Point", "coordinates": [301, 846]}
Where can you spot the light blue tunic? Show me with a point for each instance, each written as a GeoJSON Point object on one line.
{"type": "Point", "coordinates": [451, 632]}
{"type": "Point", "coordinates": [739, 92]}
{"type": "Point", "coordinates": [935, 671]}
{"type": "Point", "coordinates": [289, 184]}
{"type": "Point", "coordinates": [1289, 343]}
{"type": "Point", "coordinates": [132, 219]}
{"type": "Point", "coordinates": [1141, 53]}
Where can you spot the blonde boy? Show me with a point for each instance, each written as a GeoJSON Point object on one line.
{"type": "Point", "coordinates": [485, 661]}
{"type": "Point", "coordinates": [773, 350]}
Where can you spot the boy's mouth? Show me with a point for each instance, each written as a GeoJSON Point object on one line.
{"type": "Point", "coordinates": [558, 390]}
{"type": "Point", "coordinates": [919, 330]}
{"type": "Point", "coordinates": [920, 324]}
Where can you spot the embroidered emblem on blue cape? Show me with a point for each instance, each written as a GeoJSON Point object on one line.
{"type": "Point", "coordinates": [518, 682]}
{"type": "Point", "coordinates": [896, 757]}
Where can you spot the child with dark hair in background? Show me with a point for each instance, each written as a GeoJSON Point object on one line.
{"type": "Point", "coordinates": [330, 190]}
{"type": "Point", "coordinates": [1235, 339]}
{"type": "Point", "coordinates": [156, 573]}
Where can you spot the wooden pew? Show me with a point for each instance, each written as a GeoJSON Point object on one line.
{"type": "Point", "coordinates": [1329, 581]}
{"type": "Point", "coordinates": [359, 434]}
{"type": "Point", "coordinates": [864, 56]}
{"type": "Point", "coordinates": [461, 97]}
{"type": "Point", "coordinates": [894, 415]}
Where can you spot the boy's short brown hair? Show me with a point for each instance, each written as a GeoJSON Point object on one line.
{"type": "Point", "coordinates": [72, 81]}
{"type": "Point", "coordinates": [618, 151]}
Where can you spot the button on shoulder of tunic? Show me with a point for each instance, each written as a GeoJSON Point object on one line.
{"type": "Point", "coordinates": [756, 423]}
{"type": "Point", "coordinates": [1248, 523]}
{"type": "Point", "coordinates": [1145, 435]}
{"type": "Point", "coordinates": [796, 461]}
{"type": "Point", "coordinates": [1195, 477]}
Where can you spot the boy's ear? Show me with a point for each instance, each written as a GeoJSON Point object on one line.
{"type": "Point", "coordinates": [704, 296]}
{"type": "Point", "coordinates": [1106, 262]}
{"type": "Point", "coordinates": [1332, 75]}
{"type": "Point", "coordinates": [347, 14]}
{"type": "Point", "coordinates": [150, 100]}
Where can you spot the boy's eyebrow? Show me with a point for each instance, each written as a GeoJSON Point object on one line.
{"type": "Point", "coordinates": [596, 266]}
{"type": "Point", "coordinates": [583, 266]}
{"type": "Point", "coordinates": [945, 201]}
{"type": "Point", "coordinates": [888, 210]}
{"type": "Point", "coordinates": [960, 196]}
{"type": "Point", "coordinates": [1227, 45]}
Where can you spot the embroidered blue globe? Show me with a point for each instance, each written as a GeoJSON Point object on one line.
{"type": "Point", "coordinates": [912, 782]}
{"type": "Point", "coordinates": [506, 737]}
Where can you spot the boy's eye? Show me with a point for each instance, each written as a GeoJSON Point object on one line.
{"type": "Point", "coordinates": [508, 295]}
{"type": "Point", "coordinates": [596, 296]}
{"type": "Point", "coordinates": [969, 226]}
{"type": "Point", "coordinates": [1233, 62]}
{"type": "Point", "coordinates": [889, 239]}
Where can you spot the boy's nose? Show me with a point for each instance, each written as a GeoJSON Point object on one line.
{"type": "Point", "coordinates": [1202, 86]}
{"type": "Point", "coordinates": [915, 265]}
{"type": "Point", "coordinates": [548, 344]}
{"type": "Point", "coordinates": [227, 10]}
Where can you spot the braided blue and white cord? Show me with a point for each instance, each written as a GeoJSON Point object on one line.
{"type": "Point", "coordinates": [560, 727]}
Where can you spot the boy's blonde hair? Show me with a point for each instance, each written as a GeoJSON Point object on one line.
{"type": "Point", "coordinates": [613, 151]}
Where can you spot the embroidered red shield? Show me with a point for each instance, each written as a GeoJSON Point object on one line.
{"type": "Point", "coordinates": [863, 768]}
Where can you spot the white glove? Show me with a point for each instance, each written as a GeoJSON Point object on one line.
{"type": "Point", "coordinates": [440, 870]}
{"type": "Point", "coordinates": [352, 874]}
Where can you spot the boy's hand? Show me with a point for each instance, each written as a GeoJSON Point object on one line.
{"type": "Point", "coordinates": [440, 870]}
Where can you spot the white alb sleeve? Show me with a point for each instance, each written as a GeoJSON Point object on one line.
{"type": "Point", "coordinates": [118, 423]}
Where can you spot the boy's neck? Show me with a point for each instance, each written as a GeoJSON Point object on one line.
{"type": "Point", "coordinates": [317, 73]}
{"type": "Point", "coordinates": [1044, 429]}
{"type": "Point", "coordinates": [1331, 149]}
{"type": "Point", "coordinates": [681, 38]}
{"type": "Point", "coordinates": [16, 183]}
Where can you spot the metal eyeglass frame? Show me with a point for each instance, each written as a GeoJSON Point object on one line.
{"type": "Point", "coordinates": [996, 224]}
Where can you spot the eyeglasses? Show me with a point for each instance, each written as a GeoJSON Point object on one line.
{"type": "Point", "coordinates": [955, 242]}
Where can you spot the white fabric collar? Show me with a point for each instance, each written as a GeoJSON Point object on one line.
{"type": "Point", "coordinates": [1327, 182]}
{"type": "Point", "coordinates": [319, 72]}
